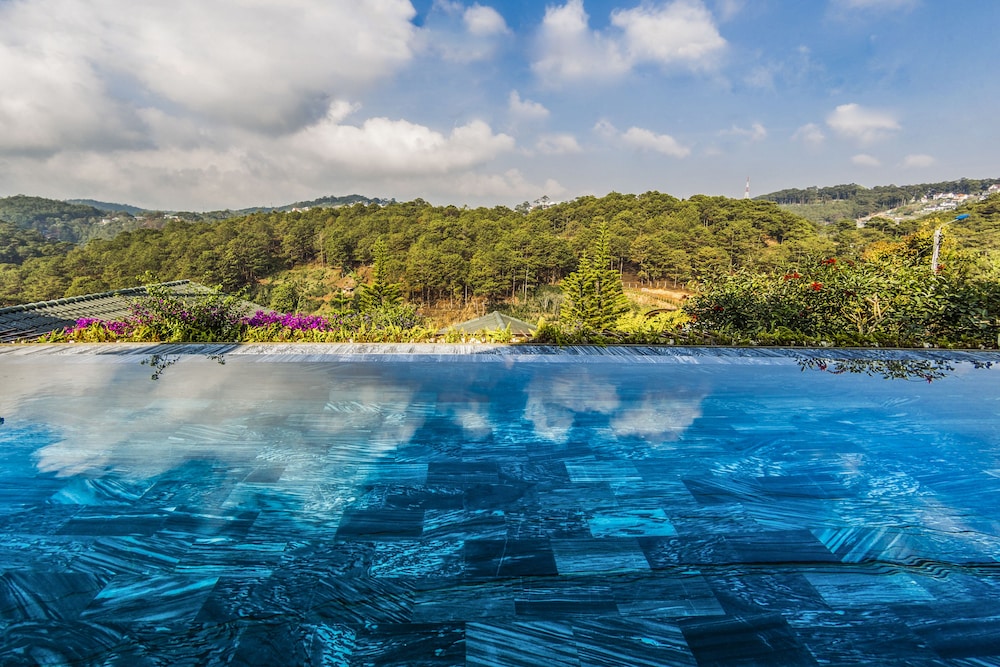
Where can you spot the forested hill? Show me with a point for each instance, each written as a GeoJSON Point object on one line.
{"type": "Point", "coordinates": [80, 220]}
{"type": "Point", "coordinates": [450, 253]}
{"type": "Point", "coordinates": [63, 221]}
{"type": "Point", "coordinates": [832, 203]}
{"type": "Point", "coordinates": [435, 251]}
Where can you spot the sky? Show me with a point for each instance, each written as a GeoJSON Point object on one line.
{"type": "Point", "coordinates": [214, 104]}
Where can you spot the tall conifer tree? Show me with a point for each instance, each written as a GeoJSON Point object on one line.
{"type": "Point", "coordinates": [594, 294]}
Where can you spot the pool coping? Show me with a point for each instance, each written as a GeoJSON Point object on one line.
{"type": "Point", "coordinates": [489, 352]}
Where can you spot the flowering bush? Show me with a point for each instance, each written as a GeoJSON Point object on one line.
{"type": "Point", "coordinates": [880, 301]}
{"type": "Point", "coordinates": [164, 317]}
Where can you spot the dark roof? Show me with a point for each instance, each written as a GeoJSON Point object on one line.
{"type": "Point", "coordinates": [34, 319]}
{"type": "Point", "coordinates": [494, 321]}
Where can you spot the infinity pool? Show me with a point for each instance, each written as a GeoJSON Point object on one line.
{"type": "Point", "coordinates": [434, 505]}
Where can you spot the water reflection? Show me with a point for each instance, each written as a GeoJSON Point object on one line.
{"type": "Point", "coordinates": [112, 420]}
{"type": "Point", "coordinates": [633, 405]}
{"type": "Point", "coordinates": [926, 370]}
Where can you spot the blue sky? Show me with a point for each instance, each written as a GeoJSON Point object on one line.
{"type": "Point", "coordinates": [207, 104]}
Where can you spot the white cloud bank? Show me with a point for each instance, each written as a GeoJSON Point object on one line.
{"type": "Point", "coordinates": [463, 34]}
{"type": "Point", "coordinates": [809, 134]}
{"type": "Point", "coordinates": [865, 160]}
{"type": "Point", "coordinates": [853, 121]}
{"type": "Point", "coordinates": [642, 139]}
{"type": "Point", "coordinates": [672, 34]}
{"type": "Point", "coordinates": [206, 104]}
{"type": "Point", "coordinates": [918, 161]}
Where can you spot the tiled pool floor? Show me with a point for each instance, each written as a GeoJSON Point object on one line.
{"type": "Point", "coordinates": [335, 506]}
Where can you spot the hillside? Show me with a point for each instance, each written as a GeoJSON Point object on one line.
{"type": "Point", "coordinates": [852, 201]}
{"type": "Point", "coordinates": [80, 220]}
{"type": "Point", "coordinates": [64, 221]}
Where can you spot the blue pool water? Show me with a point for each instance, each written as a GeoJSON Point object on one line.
{"type": "Point", "coordinates": [337, 505]}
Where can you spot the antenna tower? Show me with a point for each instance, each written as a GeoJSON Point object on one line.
{"type": "Point", "coordinates": [746, 192]}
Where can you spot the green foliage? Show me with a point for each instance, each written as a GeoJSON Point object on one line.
{"type": "Point", "coordinates": [829, 204]}
{"type": "Point", "coordinates": [594, 297]}
{"type": "Point", "coordinates": [161, 316]}
{"type": "Point", "coordinates": [285, 298]}
{"type": "Point", "coordinates": [432, 253]}
{"type": "Point", "coordinates": [892, 298]}
{"type": "Point", "coordinates": [63, 221]}
{"type": "Point", "coordinates": [380, 294]}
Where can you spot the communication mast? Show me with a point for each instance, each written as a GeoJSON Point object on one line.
{"type": "Point", "coordinates": [746, 192]}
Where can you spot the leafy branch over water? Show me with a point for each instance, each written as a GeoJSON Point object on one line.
{"type": "Point", "coordinates": [890, 369]}
{"type": "Point", "coordinates": [161, 362]}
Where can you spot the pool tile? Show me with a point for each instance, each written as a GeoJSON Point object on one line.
{"type": "Point", "coordinates": [558, 597]}
{"type": "Point", "coordinates": [463, 600]}
{"type": "Point", "coordinates": [636, 642]}
{"type": "Point", "coordinates": [381, 524]}
{"type": "Point", "coordinates": [509, 558]}
{"type": "Point", "coordinates": [595, 556]}
{"type": "Point", "coordinates": [159, 599]}
{"type": "Point", "coordinates": [869, 587]}
{"type": "Point", "coordinates": [38, 595]}
{"type": "Point", "coordinates": [358, 512]}
{"type": "Point", "coordinates": [401, 645]}
{"type": "Point", "coordinates": [188, 521]}
{"type": "Point", "coordinates": [102, 522]}
{"type": "Point", "coordinates": [674, 594]}
{"type": "Point", "coordinates": [421, 559]}
{"type": "Point", "coordinates": [520, 644]}
{"type": "Point", "coordinates": [603, 471]}
{"type": "Point", "coordinates": [784, 547]}
{"type": "Point", "coordinates": [651, 522]}
{"type": "Point", "coordinates": [745, 640]}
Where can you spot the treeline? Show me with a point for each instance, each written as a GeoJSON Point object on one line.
{"type": "Point", "coordinates": [435, 252]}
{"type": "Point", "coordinates": [446, 252]}
{"type": "Point", "coordinates": [64, 221]}
{"type": "Point", "coordinates": [856, 201]}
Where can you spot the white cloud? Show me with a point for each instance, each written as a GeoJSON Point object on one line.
{"type": "Point", "coordinates": [272, 68]}
{"type": "Point", "coordinates": [810, 134]}
{"type": "Point", "coordinates": [384, 146]}
{"type": "Point", "coordinates": [864, 160]}
{"type": "Point", "coordinates": [761, 76]}
{"type": "Point", "coordinates": [918, 161]}
{"type": "Point", "coordinates": [729, 9]}
{"type": "Point", "coordinates": [525, 109]}
{"type": "Point", "coordinates": [484, 21]}
{"type": "Point", "coordinates": [463, 34]}
{"type": "Point", "coordinates": [680, 33]}
{"type": "Point", "coordinates": [865, 125]}
{"type": "Point", "coordinates": [558, 144]}
{"type": "Point", "coordinates": [661, 143]}
{"type": "Point", "coordinates": [605, 129]}
{"type": "Point", "coordinates": [755, 132]}
{"type": "Point", "coordinates": [509, 185]}
{"type": "Point", "coordinates": [642, 139]}
{"type": "Point", "coordinates": [571, 51]}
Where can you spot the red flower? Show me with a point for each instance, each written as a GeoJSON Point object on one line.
{"type": "Point", "coordinates": [829, 261]}
{"type": "Point", "coordinates": [815, 287]}
{"type": "Point", "coordinates": [718, 309]}
{"type": "Point", "coordinates": [792, 276]}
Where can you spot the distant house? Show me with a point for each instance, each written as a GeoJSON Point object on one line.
{"type": "Point", "coordinates": [494, 321]}
{"type": "Point", "coordinates": [993, 189]}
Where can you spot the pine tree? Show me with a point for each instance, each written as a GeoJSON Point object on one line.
{"type": "Point", "coordinates": [594, 294]}
{"type": "Point", "coordinates": [380, 293]}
